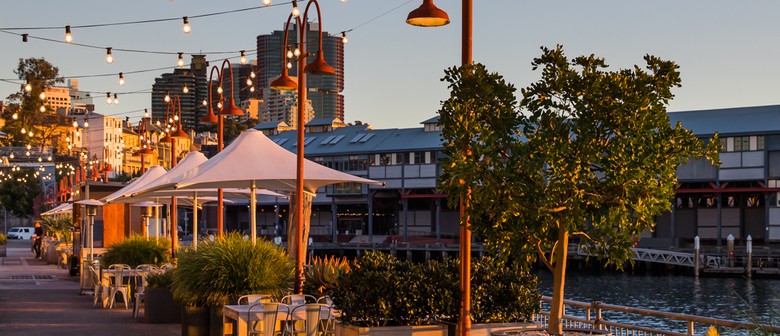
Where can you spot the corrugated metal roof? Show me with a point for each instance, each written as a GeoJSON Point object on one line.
{"type": "Point", "coordinates": [752, 119]}
{"type": "Point", "coordinates": [360, 139]}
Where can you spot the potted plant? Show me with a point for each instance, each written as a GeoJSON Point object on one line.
{"type": "Point", "coordinates": [592, 156]}
{"type": "Point", "coordinates": [58, 239]}
{"type": "Point", "coordinates": [322, 274]}
{"type": "Point", "coordinates": [384, 295]}
{"type": "Point", "coordinates": [219, 271]}
{"type": "Point", "coordinates": [137, 250]}
{"type": "Point", "coordinates": [159, 305]}
{"type": "Point", "coordinates": [3, 242]}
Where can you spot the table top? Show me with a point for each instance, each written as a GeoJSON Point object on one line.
{"type": "Point", "coordinates": [242, 311]}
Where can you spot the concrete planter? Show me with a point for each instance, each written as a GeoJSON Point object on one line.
{"type": "Point", "coordinates": [194, 321]}
{"type": "Point", "coordinates": [422, 330]}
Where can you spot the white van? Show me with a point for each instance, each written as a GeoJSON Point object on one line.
{"type": "Point", "coordinates": [21, 232]}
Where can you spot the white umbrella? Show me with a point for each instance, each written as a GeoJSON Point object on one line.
{"type": "Point", "coordinates": [149, 176]}
{"type": "Point", "coordinates": [253, 161]}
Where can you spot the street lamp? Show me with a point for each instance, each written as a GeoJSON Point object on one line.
{"type": "Point", "coordinates": [146, 142]}
{"type": "Point", "coordinates": [230, 109]}
{"type": "Point", "coordinates": [284, 82]}
{"type": "Point", "coordinates": [428, 15]}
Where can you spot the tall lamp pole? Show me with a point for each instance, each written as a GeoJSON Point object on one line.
{"type": "Point", "coordinates": [284, 82]}
{"type": "Point", "coordinates": [428, 15]}
{"type": "Point", "coordinates": [230, 109]}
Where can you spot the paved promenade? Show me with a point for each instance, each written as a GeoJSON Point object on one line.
{"type": "Point", "coordinates": [40, 299]}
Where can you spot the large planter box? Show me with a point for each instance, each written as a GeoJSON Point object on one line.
{"type": "Point", "coordinates": [160, 307]}
{"type": "Point", "coordinates": [422, 330]}
{"type": "Point", "coordinates": [194, 321]}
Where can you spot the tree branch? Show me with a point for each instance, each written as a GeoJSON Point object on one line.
{"type": "Point", "coordinates": [542, 256]}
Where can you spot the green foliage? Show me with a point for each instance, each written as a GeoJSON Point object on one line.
{"type": "Point", "coordinates": [58, 227]}
{"type": "Point", "coordinates": [161, 279]}
{"type": "Point", "coordinates": [3, 239]}
{"type": "Point", "coordinates": [382, 290]}
{"type": "Point", "coordinates": [322, 274]}
{"type": "Point", "coordinates": [137, 250]}
{"type": "Point", "coordinates": [592, 155]}
{"type": "Point", "coordinates": [18, 191]}
{"type": "Point", "coordinates": [220, 271]}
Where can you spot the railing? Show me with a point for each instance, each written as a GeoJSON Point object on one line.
{"type": "Point", "coordinates": [594, 318]}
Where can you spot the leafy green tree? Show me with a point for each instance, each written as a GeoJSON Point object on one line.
{"type": "Point", "coordinates": [18, 190]}
{"type": "Point", "coordinates": [594, 157]}
{"type": "Point", "coordinates": [26, 105]}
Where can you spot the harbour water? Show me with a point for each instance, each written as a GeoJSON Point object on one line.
{"type": "Point", "coordinates": [734, 298]}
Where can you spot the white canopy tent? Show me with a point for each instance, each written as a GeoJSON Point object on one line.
{"type": "Point", "coordinates": [64, 208]}
{"type": "Point", "coordinates": [254, 161]}
{"type": "Point", "coordinates": [149, 176]}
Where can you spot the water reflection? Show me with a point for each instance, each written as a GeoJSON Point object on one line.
{"type": "Point", "coordinates": [726, 298]}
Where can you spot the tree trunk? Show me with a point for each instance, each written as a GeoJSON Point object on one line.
{"type": "Point", "coordinates": [559, 278]}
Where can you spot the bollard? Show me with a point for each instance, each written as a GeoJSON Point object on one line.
{"type": "Point", "coordinates": [730, 244]}
{"type": "Point", "coordinates": [696, 256]}
{"type": "Point", "coordinates": [749, 256]}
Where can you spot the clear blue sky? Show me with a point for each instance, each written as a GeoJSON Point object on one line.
{"type": "Point", "coordinates": [727, 50]}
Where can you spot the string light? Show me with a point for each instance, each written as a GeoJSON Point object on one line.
{"type": "Point", "coordinates": [86, 123]}
{"type": "Point", "coordinates": [205, 103]}
{"type": "Point", "coordinates": [25, 37]}
{"type": "Point", "coordinates": [43, 108]}
{"type": "Point", "coordinates": [243, 58]}
{"type": "Point", "coordinates": [68, 35]}
{"type": "Point", "coordinates": [289, 54]}
{"type": "Point", "coordinates": [108, 98]}
{"type": "Point", "coordinates": [180, 62]}
{"type": "Point", "coordinates": [344, 37]}
{"type": "Point", "coordinates": [116, 99]}
{"type": "Point", "coordinates": [75, 123]}
{"type": "Point", "coordinates": [295, 11]}
{"type": "Point", "coordinates": [185, 89]}
{"type": "Point", "coordinates": [146, 115]}
{"type": "Point", "coordinates": [249, 82]}
{"type": "Point", "coordinates": [186, 27]}
{"type": "Point", "coordinates": [297, 52]}
{"type": "Point", "coordinates": [252, 74]}
{"type": "Point", "coordinates": [121, 79]}
{"type": "Point", "coordinates": [42, 95]}
{"type": "Point", "coordinates": [27, 87]}
{"type": "Point", "coordinates": [109, 56]}
{"type": "Point", "coordinates": [289, 65]}
{"type": "Point", "coordinates": [267, 2]}
{"type": "Point", "coordinates": [167, 97]}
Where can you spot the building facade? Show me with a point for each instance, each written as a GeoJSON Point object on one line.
{"type": "Point", "coordinates": [173, 84]}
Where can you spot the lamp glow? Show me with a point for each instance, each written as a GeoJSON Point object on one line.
{"type": "Point", "coordinates": [219, 89]}
{"type": "Point", "coordinates": [109, 56]}
{"type": "Point", "coordinates": [116, 99]}
{"type": "Point", "coordinates": [86, 123]}
{"type": "Point", "coordinates": [108, 98]}
{"type": "Point", "coordinates": [252, 74]}
{"type": "Point", "coordinates": [297, 52]}
{"type": "Point", "coordinates": [267, 2]}
{"type": "Point", "coordinates": [180, 62]}
{"type": "Point", "coordinates": [42, 109]}
{"type": "Point", "coordinates": [27, 87]}
{"type": "Point", "coordinates": [121, 79]}
{"type": "Point", "coordinates": [167, 97]}
{"type": "Point", "coordinates": [295, 11]}
{"type": "Point", "coordinates": [289, 54]}
{"type": "Point", "coordinates": [68, 35]}
{"type": "Point", "coordinates": [186, 27]}
{"type": "Point", "coordinates": [15, 116]}
{"type": "Point", "coordinates": [243, 57]}
{"type": "Point", "coordinates": [42, 95]}
{"type": "Point", "coordinates": [344, 38]}
{"type": "Point", "coordinates": [185, 89]}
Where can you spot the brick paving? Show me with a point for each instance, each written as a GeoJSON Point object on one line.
{"type": "Point", "coordinates": [41, 299]}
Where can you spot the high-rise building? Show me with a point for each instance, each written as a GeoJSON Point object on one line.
{"type": "Point", "coordinates": [323, 91]}
{"type": "Point", "coordinates": [195, 80]}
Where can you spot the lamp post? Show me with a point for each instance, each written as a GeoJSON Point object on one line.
{"type": "Point", "coordinates": [145, 144]}
{"type": "Point", "coordinates": [230, 109]}
{"type": "Point", "coordinates": [284, 82]}
{"type": "Point", "coordinates": [428, 15]}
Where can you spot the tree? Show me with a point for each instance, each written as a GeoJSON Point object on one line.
{"type": "Point", "coordinates": [17, 191]}
{"type": "Point", "coordinates": [26, 105]}
{"type": "Point", "coordinates": [594, 157]}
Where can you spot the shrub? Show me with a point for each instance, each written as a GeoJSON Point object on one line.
{"type": "Point", "coordinates": [3, 239]}
{"type": "Point", "coordinates": [58, 227]}
{"type": "Point", "coordinates": [137, 250]}
{"type": "Point", "coordinates": [220, 271]}
{"type": "Point", "coordinates": [380, 290]}
{"type": "Point", "coordinates": [322, 274]}
{"type": "Point", "coordinates": [160, 280]}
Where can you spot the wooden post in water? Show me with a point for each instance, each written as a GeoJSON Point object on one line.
{"type": "Point", "coordinates": [749, 266]}
{"type": "Point", "coordinates": [696, 256]}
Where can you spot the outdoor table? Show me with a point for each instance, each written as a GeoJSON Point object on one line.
{"type": "Point", "coordinates": [240, 315]}
{"type": "Point", "coordinates": [129, 274]}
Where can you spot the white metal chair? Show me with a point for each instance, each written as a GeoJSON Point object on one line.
{"type": "Point", "coordinates": [298, 299]}
{"type": "Point", "coordinates": [325, 300]}
{"type": "Point", "coordinates": [118, 284]}
{"type": "Point", "coordinates": [316, 322]}
{"type": "Point", "coordinates": [270, 322]}
{"type": "Point", "coordinates": [254, 298]}
{"type": "Point", "coordinates": [143, 271]}
{"type": "Point", "coordinates": [100, 287]}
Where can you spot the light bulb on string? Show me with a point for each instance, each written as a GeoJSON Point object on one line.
{"type": "Point", "coordinates": [30, 133]}
{"type": "Point", "coordinates": [75, 123]}
{"type": "Point", "coordinates": [108, 98]}
{"type": "Point", "coordinates": [116, 99]}
{"type": "Point", "coordinates": [186, 27]}
{"type": "Point", "coordinates": [167, 97]}
{"type": "Point", "coordinates": [24, 131]}
{"type": "Point", "coordinates": [251, 89]}
{"type": "Point", "coordinates": [219, 89]}
{"type": "Point", "coordinates": [27, 87]}
{"type": "Point", "coordinates": [252, 74]}
{"type": "Point", "coordinates": [289, 54]}
{"type": "Point", "coordinates": [267, 2]}
{"type": "Point", "coordinates": [205, 103]}
{"type": "Point", "coordinates": [249, 82]}
{"type": "Point", "coordinates": [12, 155]}
{"type": "Point", "coordinates": [295, 11]}
{"type": "Point", "coordinates": [297, 52]}
{"type": "Point", "coordinates": [219, 105]}
{"type": "Point", "coordinates": [158, 123]}
{"type": "Point", "coordinates": [289, 65]}
{"type": "Point", "coordinates": [68, 35]}
{"type": "Point", "coordinates": [344, 37]}
{"type": "Point", "coordinates": [146, 115]}
{"type": "Point", "coordinates": [43, 108]}
{"type": "Point", "coordinates": [121, 79]}
{"type": "Point", "coordinates": [180, 62]}
{"type": "Point", "coordinates": [109, 56]}
{"type": "Point", "coordinates": [86, 123]}
{"type": "Point", "coordinates": [176, 117]}
{"type": "Point", "coordinates": [185, 89]}
{"type": "Point", "coordinates": [42, 96]}
{"type": "Point", "coordinates": [242, 60]}
{"type": "Point", "coordinates": [15, 116]}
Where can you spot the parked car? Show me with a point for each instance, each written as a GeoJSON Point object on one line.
{"type": "Point", "coordinates": [21, 232]}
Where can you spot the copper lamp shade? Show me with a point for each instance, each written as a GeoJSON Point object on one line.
{"type": "Point", "coordinates": [428, 15]}
{"type": "Point", "coordinates": [166, 138]}
{"type": "Point", "coordinates": [318, 66]}
{"type": "Point", "coordinates": [144, 151]}
{"type": "Point", "coordinates": [210, 118]}
{"type": "Point", "coordinates": [284, 82]}
{"type": "Point", "coordinates": [108, 169]}
{"type": "Point", "coordinates": [232, 109]}
{"type": "Point", "coordinates": [179, 133]}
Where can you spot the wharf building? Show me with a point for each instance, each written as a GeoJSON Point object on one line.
{"type": "Point", "coordinates": [741, 197]}
{"type": "Point", "coordinates": [195, 80]}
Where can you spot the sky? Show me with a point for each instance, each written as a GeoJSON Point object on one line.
{"type": "Point", "coordinates": [727, 51]}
